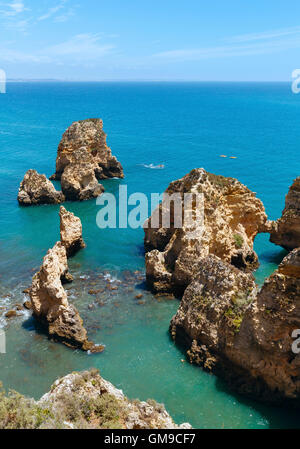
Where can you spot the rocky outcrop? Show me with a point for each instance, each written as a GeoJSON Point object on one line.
{"type": "Point", "coordinates": [50, 302]}
{"type": "Point", "coordinates": [37, 189]}
{"type": "Point", "coordinates": [212, 309]}
{"type": "Point", "coordinates": [243, 334]}
{"type": "Point", "coordinates": [286, 230]}
{"type": "Point", "coordinates": [91, 388]}
{"type": "Point", "coordinates": [70, 232]}
{"type": "Point", "coordinates": [79, 183]}
{"type": "Point", "coordinates": [88, 138]}
{"type": "Point", "coordinates": [83, 401]}
{"type": "Point", "coordinates": [228, 217]}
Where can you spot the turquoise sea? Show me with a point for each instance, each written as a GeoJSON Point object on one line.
{"type": "Point", "coordinates": [180, 125]}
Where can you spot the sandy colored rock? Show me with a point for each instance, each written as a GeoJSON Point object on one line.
{"type": "Point", "coordinates": [232, 217]}
{"type": "Point", "coordinates": [79, 183]}
{"type": "Point", "coordinates": [212, 308]}
{"type": "Point", "coordinates": [27, 305]}
{"type": "Point", "coordinates": [242, 334]}
{"type": "Point", "coordinates": [11, 314]}
{"type": "Point", "coordinates": [70, 232]}
{"type": "Point", "coordinates": [286, 230]}
{"type": "Point", "coordinates": [264, 347]}
{"type": "Point", "coordinates": [88, 137]}
{"type": "Point", "coordinates": [37, 189]}
{"type": "Point", "coordinates": [50, 302]}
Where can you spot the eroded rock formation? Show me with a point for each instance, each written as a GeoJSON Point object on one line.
{"type": "Point", "coordinates": [37, 189]}
{"type": "Point", "coordinates": [244, 334]}
{"type": "Point", "coordinates": [79, 183]}
{"type": "Point", "coordinates": [50, 302]}
{"type": "Point", "coordinates": [87, 137]}
{"type": "Point", "coordinates": [232, 217]}
{"type": "Point", "coordinates": [70, 232]}
{"type": "Point", "coordinates": [286, 230]}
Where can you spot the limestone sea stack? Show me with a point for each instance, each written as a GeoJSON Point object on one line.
{"type": "Point", "coordinates": [232, 217]}
{"type": "Point", "coordinates": [87, 134]}
{"type": "Point", "coordinates": [37, 189]}
{"type": "Point", "coordinates": [79, 183]}
{"type": "Point", "coordinates": [70, 232]}
{"type": "Point", "coordinates": [286, 230]}
{"type": "Point", "coordinates": [50, 302]}
{"type": "Point", "coordinates": [243, 334]}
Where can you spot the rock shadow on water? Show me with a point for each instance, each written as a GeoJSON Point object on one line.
{"type": "Point", "coordinates": [32, 325]}
{"type": "Point", "coordinates": [40, 331]}
{"type": "Point", "coordinates": [274, 257]}
{"type": "Point", "coordinates": [140, 249]}
{"type": "Point", "coordinates": [276, 416]}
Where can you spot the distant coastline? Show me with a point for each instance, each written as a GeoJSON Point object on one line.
{"type": "Point", "coordinates": [58, 80]}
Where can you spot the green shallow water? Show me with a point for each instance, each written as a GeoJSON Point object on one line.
{"type": "Point", "coordinates": [182, 126]}
{"type": "Point", "coordinates": [140, 358]}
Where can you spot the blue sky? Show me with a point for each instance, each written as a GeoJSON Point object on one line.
{"type": "Point", "coordinates": [228, 40]}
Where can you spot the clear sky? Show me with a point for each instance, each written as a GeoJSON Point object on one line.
{"type": "Point", "coordinates": [150, 39]}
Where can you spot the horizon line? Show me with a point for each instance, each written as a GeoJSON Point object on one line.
{"type": "Point", "coordinates": [11, 80]}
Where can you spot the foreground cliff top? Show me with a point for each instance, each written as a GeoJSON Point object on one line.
{"type": "Point", "coordinates": [83, 401]}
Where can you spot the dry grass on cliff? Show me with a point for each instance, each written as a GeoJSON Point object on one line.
{"type": "Point", "coordinates": [85, 403]}
{"type": "Point", "coordinates": [19, 412]}
{"type": "Point", "coordinates": [80, 412]}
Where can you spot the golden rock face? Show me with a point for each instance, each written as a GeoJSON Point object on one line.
{"type": "Point", "coordinates": [242, 333]}
{"type": "Point", "coordinates": [85, 142]}
{"type": "Point", "coordinates": [233, 216]}
{"type": "Point", "coordinates": [70, 232]}
{"type": "Point", "coordinates": [37, 189]}
{"type": "Point", "coordinates": [50, 302]}
{"type": "Point", "coordinates": [286, 230]}
{"type": "Point", "coordinates": [229, 325]}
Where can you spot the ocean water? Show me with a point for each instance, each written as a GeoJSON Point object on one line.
{"type": "Point", "coordinates": [182, 126]}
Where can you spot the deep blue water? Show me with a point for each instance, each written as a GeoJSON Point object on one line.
{"type": "Point", "coordinates": [182, 126]}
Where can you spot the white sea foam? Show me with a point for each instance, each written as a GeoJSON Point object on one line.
{"type": "Point", "coordinates": [108, 277]}
{"type": "Point", "coordinates": [154, 167]}
{"type": "Point", "coordinates": [3, 322]}
{"type": "Point", "coordinates": [96, 346]}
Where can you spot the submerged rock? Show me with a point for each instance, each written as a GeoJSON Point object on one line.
{"type": "Point", "coordinates": [50, 303]}
{"type": "Point", "coordinates": [87, 137]}
{"type": "Point", "coordinates": [27, 305]}
{"type": "Point", "coordinates": [70, 232]}
{"type": "Point", "coordinates": [37, 189]}
{"type": "Point", "coordinates": [11, 314]}
{"type": "Point", "coordinates": [243, 334]}
{"type": "Point", "coordinates": [232, 217]}
{"type": "Point", "coordinates": [286, 230]}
